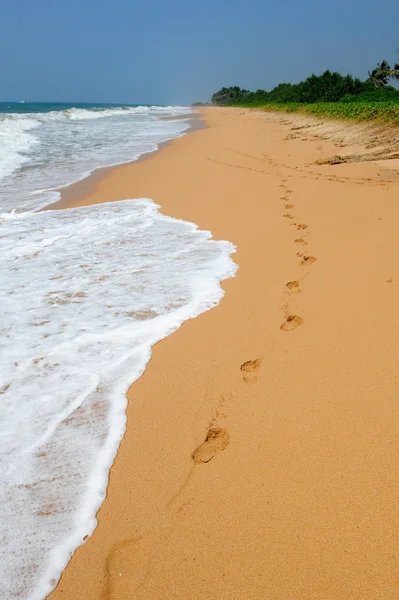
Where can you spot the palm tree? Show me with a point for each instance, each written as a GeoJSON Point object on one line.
{"type": "Point", "coordinates": [395, 72]}
{"type": "Point", "coordinates": [381, 75]}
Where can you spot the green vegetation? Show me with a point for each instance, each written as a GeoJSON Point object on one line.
{"type": "Point", "coordinates": [359, 111]}
{"type": "Point", "coordinates": [329, 94]}
{"type": "Point", "coordinates": [380, 76]}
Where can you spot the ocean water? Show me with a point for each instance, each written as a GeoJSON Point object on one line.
{"type": "Point", "coordinates": [85, 294]}
{"type": "Point", "coordinates": [47, 146]}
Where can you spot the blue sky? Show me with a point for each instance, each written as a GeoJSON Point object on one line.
{"type": "Point", "coordinates": [170, 52]}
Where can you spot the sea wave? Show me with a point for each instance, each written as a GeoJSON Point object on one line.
{"type": "Point", "coordinates": [80, 114]}
{"type": "Point", "coordinates": [15, 140]}
{"type": "Point", "coordinates": [46, 150]}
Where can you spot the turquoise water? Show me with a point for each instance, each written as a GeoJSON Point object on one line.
{"type": "Point", "coordinates": [43, 107]}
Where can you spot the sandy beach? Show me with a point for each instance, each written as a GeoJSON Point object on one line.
{"type": "Point", "coordinates": [260, 457]}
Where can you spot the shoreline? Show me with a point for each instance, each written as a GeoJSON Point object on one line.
{"type": "Point", "coordinates": [297, 501]}
{"type": "Point", "coordinates": [77, 190]}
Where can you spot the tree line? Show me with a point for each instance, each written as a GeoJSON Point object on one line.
{"type": "Point", "coordinates": [328, 87]}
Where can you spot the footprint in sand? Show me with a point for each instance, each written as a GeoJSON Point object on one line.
{"type": "Point", "coordinates": [307, 260]}
{"type": "Point", "coordinates": [288, 206]}
{"type": "Point", "coordinates": [127, 567]}
{"type": "Point", "coordinates": [292, 285]}
{"type": "Point", "coordinates": [217, 439]}
{"type": "Point", "coordinates": [301, 241]}
{"type": "Point", "coordinates": [301, 226]}
{"type": "Point", "coordinates": [291, 323]}
{"type": "Point", "coordinates": [250, 370]}
{"type": "Point", "coordinates": [288, 216]}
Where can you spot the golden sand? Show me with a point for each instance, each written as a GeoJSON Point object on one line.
{"type": "Point", "coordinates": [260, 460]}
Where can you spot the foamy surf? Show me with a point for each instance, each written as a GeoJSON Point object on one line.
{"type": "Point", "coordinates": [87, 292]}
{"type": "Point", "coordinates": [41, 151]}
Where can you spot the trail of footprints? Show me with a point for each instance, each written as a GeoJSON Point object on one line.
{"type": "Point", "coordinates": [292, 321]}
{"type": "Point", "coordinates": [217, 438]}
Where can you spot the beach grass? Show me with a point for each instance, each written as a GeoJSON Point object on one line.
{"type": "Point", "coordinates": [364, 110]}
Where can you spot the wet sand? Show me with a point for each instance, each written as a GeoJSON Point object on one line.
{"type": "Point", "coordinates": [260, 458]}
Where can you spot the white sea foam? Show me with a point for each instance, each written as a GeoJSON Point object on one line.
{"type": "Point", "coordinates": [14, 142]}
{"type": "Point", "coordinates": [43, 151]}
{"type": "Point", "coordinates": [86, 293]}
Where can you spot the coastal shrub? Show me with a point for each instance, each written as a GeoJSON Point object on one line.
{"type": "Point", "coordinates": [381, 95]}
{"type": "Point", "coordinates": [328, 87]}
{"type": "Point", "coordinates": [329, 94]}
{"type": "Point", "coordinates": [359, 111]}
